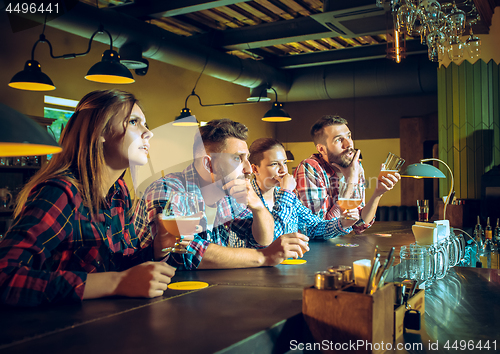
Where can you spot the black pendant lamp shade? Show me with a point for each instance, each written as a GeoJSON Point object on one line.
{"type": "Point", "coordinates": [289, 156]}
{"type": "Point", "coordinates": [22, 136]}
{"type": "Point", "coordinates": [32, 78]}
{"type": "Point", "coordinates": [110, 70]}
{"type": "Point", "coordinates": [276, 114]}
{"type": "Point", "coordinates": [186, 119]}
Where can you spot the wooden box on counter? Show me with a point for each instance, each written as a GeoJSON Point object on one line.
{"type": "Point", "coordinates": [454, 213]}
{"type": "Point", "coordinates": [348, 316]}
{"type": "Point", "coordinates": [461, 216]}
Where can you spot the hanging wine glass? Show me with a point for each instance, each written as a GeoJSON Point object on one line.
{"type": "Point", "coordinates": [432, 10]}
{"type": "Point", "coordinates": [456, 49]}
{"type": "Point", "coordinates": [473, 44]}
{"type": "Point", "coordinates": [457, 18]}
{"type": "Point", "coordinates": [413, 23]}
{"type": "Point", "coordinates": [403, 17]}
{"type": "Point", "coordinates": [435, 43]}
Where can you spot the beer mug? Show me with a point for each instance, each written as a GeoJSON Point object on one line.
{"type": "Point", "coordinates": [454, 250]}
{"type": "Point", "coordinates": [461, 244]}
{"type": "Point", "coordinates": [439, 252]}
{"type": "Point", "coordinates": [424, 263]}
{"type": "Point", "coordinates": [415, 263]}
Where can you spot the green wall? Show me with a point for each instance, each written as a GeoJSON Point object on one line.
{"type": "Point", "coordinates": [469, 120]}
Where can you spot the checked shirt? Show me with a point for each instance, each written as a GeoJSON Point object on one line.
{"type": "Point", "coordinates": [317, 188]}
{"type": "Point", "coordinates": [53, 244]}
{"type": "Point", "coordinates": [290, 215]}
{"type": "Point", "coordinates": [232, 225]}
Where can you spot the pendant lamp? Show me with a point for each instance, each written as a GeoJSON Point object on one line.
{"type": "Point", "coordinates": [276, 113]}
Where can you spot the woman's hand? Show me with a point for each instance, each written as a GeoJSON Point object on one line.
{"type": "Point", "coordinates": [148, 279]}
{"type": "Point", "coordinates": [286, 182]}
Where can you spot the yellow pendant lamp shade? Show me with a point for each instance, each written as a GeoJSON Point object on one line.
{"type": "Point", "coordinates": [32, 78]}
{"type": "Point", "coordinates": [109, 70]}
{"type": "Point", "coordinates": [21, 136]}
{"type": "Point", "coordinates": [276, 114]}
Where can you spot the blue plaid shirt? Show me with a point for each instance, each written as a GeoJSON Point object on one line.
{"type": "Point", "coordinates": [232, 224]}
{"type": "Point", "coordinates": [290, 215]}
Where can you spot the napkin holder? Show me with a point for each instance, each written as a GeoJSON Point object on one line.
{"type": "Point", "coordinates": [349, 315]}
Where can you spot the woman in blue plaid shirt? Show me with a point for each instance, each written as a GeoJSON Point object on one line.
{"type": "Point", "coordinates": [274, 185]}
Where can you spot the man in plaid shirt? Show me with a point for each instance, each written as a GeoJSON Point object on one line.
{"type": "Point", "coordinates": [318, 176]}
{"type": "Point", "coordinates": [239, 222]}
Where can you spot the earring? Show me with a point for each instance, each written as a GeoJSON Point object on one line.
{"type": "Point", "coordinates": [212, 175]}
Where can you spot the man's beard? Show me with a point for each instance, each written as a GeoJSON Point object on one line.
{"type": "Point", "coordinates": [342, 160]}
{"type": "Point", "coordinates": [222, 177]}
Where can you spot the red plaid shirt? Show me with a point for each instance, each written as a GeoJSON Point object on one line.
{"type": "Point", "coordinates": [318, 189]}
{"type": "Point", "coordinates": [52, 246]}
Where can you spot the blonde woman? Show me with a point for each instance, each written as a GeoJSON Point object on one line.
{"type": "Point", "coordinates": [71, 238]}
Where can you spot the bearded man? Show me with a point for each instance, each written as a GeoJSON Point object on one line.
{"type": "Point", "coordinates": [337, 161]}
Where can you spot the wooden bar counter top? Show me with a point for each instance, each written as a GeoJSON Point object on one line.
{"type": "Point", "coordinates": [255, 310]}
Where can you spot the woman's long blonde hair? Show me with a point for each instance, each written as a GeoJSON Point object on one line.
{"type": "Point", "coordinates": [83, 151]}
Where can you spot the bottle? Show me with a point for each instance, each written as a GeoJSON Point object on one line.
{"type": "Point", "coordinates": [489, 253]}
{"type": "Point", "coordinates": [485, 254]}
{"type": "Point", "coordinates": [496, 233]}
{"type": "Point", "coordinates": [477, 246]}
{"type": "Point", "coordinates": [478, 233]}
{"type": "Point", "coordinates": [495, 257]}
{"type": "Point", "coordinates": [488, 233]}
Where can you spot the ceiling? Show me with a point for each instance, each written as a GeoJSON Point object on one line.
{"type": "Point", "coordinates": [303, 49]}
{"type": "Point", "coordinates": [284, 34]}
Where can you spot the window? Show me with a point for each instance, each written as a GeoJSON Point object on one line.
{"type": "Point", "coordinates": [59, 109]}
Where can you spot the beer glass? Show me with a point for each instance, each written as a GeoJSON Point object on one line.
{"type": "Point", "coordinates": [423, 210]}
{"type": "Point", "coordinates": [392, 164]}
{"type": "Point", "coordinates": [350, 196]}
{"type": "Point", "coordinates": [180, 217]}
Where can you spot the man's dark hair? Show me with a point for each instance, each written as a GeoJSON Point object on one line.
{"type": "Point", "coordinates": [215, 133]}
{"type": "Point", "coordinates": [317, 130]}
{"type": "Point", "coordinates": [259, 147]}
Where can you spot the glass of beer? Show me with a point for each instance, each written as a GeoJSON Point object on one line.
{"type": "Point", "coordinates": [350, 196]}
{"type": "Point", "coordinates": [392, 164]}
{"type": "Point", "coordinates": [179, 218]}
{"type": "Point", "coordinates": [423, 210]}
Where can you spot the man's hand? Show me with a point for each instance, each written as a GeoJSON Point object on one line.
{"type": "Point", "coordinates": [387, 183]}
{"type": "Point", "coordinates": [242, 191]}
{"type": "Point", "coordinates": [148, 279]}
{"type": "Point", "coordinates": [164, 239]}
{"type": "Point", "coordinates": [353, 217]}
{"type": "Point", "coordinates": [292, 245]}
{"type": "Point", "coordinates": [351, 172]}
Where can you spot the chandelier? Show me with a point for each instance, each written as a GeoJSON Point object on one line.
{"type": "Point", "coordinates": [443, 27]}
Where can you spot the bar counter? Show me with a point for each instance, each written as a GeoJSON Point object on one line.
{"type": "Point", "coordinates": [255, 310]}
